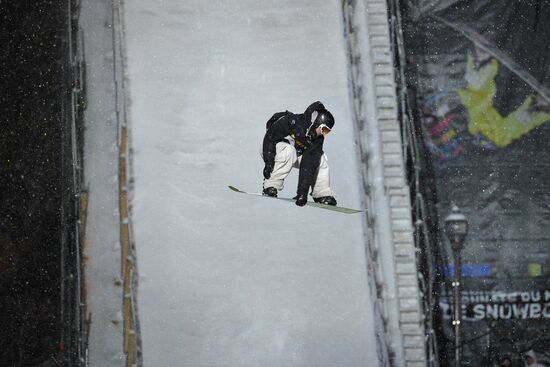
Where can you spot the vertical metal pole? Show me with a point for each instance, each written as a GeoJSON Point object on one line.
{"type": "Point", "coordinates": [458, 307]}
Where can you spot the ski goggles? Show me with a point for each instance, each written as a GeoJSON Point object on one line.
{"type": "Point", "coordinates": [324, 129]}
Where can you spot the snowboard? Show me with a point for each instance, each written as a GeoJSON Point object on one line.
{"type": "Point", "coordinates": [338, 209]}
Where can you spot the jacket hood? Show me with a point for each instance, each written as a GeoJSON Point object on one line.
{"type": "Point", "coordinates": [531, 353]}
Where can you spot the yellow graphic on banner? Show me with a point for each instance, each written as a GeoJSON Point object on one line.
{"type": "Point", "coordinates": [483, 116]}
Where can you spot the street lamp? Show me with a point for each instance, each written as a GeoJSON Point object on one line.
{"type": "Point", "coordinates": [456, 229]}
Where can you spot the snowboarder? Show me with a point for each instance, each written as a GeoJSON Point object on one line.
{"type": "Point", "coordinates": [296, 140]}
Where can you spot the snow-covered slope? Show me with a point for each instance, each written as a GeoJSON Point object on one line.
{"type": "Point", "coordinates": [226, 279]}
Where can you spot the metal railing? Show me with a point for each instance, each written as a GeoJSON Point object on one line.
{"type": "Point", "coordinates": [74, 325]}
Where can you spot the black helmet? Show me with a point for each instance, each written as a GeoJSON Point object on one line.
{"type": "Point", "coordinates": [324, 117]}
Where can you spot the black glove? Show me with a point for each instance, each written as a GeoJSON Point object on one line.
{"type": "Point", "coordinates": [267, 170]}
{"type": "Point", "coordinates": [301, 199]}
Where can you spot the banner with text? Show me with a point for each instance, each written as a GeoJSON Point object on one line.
{"type": "Point", "coordinates": [478, 71]}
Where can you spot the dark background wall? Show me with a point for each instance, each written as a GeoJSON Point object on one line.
{"type": "Point", "coordinates": [32, 87]}
{"type": "Point", "coordinates": [477, 72]}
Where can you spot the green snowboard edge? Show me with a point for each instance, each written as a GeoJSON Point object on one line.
{"type": "Point", "coordinates": [338, 209]}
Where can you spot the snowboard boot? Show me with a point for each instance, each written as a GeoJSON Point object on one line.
{"type": "Point", "coordinates": [270, 191]}
{"type": "Point", "coordinates": [327, 200]}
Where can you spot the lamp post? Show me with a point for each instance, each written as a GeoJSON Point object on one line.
{"type": "Point", "coordinates": [456, 229]}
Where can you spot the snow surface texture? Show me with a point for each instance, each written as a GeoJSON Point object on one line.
{"type": "Point", "coordinates": [229, 280]}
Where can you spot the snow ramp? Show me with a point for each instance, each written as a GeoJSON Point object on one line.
{"type": "Point", "coordinates": [226, 279]}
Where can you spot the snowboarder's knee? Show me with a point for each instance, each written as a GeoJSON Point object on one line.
{"type": "Point", "coordinates": [285, 152]}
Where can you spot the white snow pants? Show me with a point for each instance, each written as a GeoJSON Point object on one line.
{"type": "Point", "coordinates": [286, 158]}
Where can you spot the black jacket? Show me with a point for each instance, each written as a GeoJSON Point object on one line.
{"type": "Point", "coordinates": [287, 127]}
